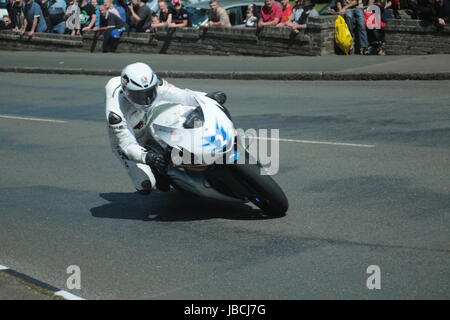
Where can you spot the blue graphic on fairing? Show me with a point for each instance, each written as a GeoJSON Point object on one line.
{"type": "Point", "coordinates": [234, 156]}
{"type": "Point", "coordinates": [217, 141]}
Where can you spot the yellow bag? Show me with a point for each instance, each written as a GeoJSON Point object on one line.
{"type": "Point", "coordinates": [342, 35]}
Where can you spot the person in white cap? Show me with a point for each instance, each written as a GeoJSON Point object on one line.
{"type": "Point", "coordinates": [129, 99]}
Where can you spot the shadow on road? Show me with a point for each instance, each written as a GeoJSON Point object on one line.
{"type": "Point", "coordinates": [171, 206]}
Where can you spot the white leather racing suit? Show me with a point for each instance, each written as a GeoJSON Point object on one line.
{"type": "Point", "coordinates": [128, 128]}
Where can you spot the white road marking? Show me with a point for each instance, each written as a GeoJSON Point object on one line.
{"type": "Point", "coordinates": [319, 142]}
{"type": "Point", "coordinates": [67, 295]}
{"type": "Point", "coordinates": [261, 138]}
{"type": "Point", "coordinates": [61, 293]}
{"type": "Point", "coordinates": [31, 119]}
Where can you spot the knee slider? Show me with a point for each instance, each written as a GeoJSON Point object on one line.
{"type": "Point", "coordinates": [146, 187]}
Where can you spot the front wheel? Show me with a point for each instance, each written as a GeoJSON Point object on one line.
{"type": "Point", "coordinates": [263, 191]}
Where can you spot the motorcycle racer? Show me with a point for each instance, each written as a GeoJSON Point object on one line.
{"type": "Point", "coordinates": [129, 99]}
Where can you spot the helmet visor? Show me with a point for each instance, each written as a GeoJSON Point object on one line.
{"type": "Point", "coordinates": [142, 97]}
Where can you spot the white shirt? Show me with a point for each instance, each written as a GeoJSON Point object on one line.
{"type": "Point", "coordinates": [296, 14]}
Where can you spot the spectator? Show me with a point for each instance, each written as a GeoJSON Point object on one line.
{"type": "Point", "coordinates": [87, 15]}
{"type": "Point", "coordinates": [141, 16]}
{"type": "Point", "coordinates": [15, 12]}
{"type": "Point", "coordinates": [155, 21]}
{"type": "Point", "coordinates": [56, 10]}
{"type": "Point", "coordinates": [153, 5]}
{"type": "Point", "coordinates": [122, 8]}
{"type": "Point", "coordinates": [442, 8]}
{"type": "Point", "coordinates": [6, 23]}
{"type": "Point", "coordinates": [385, 8]}
{"type": "Point", "coordinates": [395, 7]}
{"type": "Point", "coordinates": [296, 13]}
{"type": "Point", "coordinates": [97, 13]}
{"type": "Point", "coordinates": [113, 27]}
{"type": "Point", "coordinates": [310, 12]}
{"type": "Point", "coordinates": [352, 11]}
{"type": "Point", "coordinates": [437, 11]}
{"type": "Point", "coordinates": [300, 14]}
{"type": "Point", "coordinates": [376, 36]}
{"type": "Point", "coordinates": [178, 16]}
{"type": "Point", "coordinates": [270, 14]}
{"type": "Point", "coordinates": [34, 19]}
{"type": "Point", "coordinates": [73, 18]}
{"type": "Point", "coordinates": [286, 12]}
{"type": "Point", "coordinates": [329, 8]}
{"type": "Point", "coordinates": [414, 6]}
{"type": "Point", "coordinates": [218, 17]}
{"type": "Point", "coordinates": [9, 7]}
{"type": "Point", "coordinates": [252, 16]}
{"type": "Point", "coordinates": [44, 8]}
{"type": "Point", "coordinates": [162, 17]}
{"type": "Point", "coordinates": [110, 7]}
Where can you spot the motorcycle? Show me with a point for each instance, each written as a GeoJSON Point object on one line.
{"type": "Point", "coordinates": [208, 158]}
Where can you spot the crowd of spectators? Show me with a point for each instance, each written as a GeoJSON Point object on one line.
{"type": "Point", "coordinates": [112, 17]}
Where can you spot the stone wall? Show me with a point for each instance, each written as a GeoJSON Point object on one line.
{"type": "Point", "coordinates": [271, 41]}
{"type": "Point", "coordinates": [404, 36]}
{"type": "Point", "coordinates": [317, 39]}
{"type": "Point", "coordinates": [40, 41]}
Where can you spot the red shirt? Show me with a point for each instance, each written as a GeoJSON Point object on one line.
{"type": "Point", "coordinates": [286, 13]}
{"type": "Point", "coordinates": [270, 14]}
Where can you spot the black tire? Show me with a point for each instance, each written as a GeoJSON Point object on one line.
{"type": "Point", "coordinates": [272, 200]}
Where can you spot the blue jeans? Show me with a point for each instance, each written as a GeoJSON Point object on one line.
{"type": "Point", "coordinates": [59, 28]}
{"type": "Point", "coordinates": [360, 34]}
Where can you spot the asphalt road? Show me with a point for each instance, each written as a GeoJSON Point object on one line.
{"type": "Point", "coordinates": [65, 199]}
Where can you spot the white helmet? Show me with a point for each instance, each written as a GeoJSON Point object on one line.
{"type": "Point", "coordinates": [139, 84]}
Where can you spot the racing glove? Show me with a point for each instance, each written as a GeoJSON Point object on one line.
{"type": "Point", "coordinates": [156, 161]}
{"type": "Point", "coordinates": [219, 96]}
